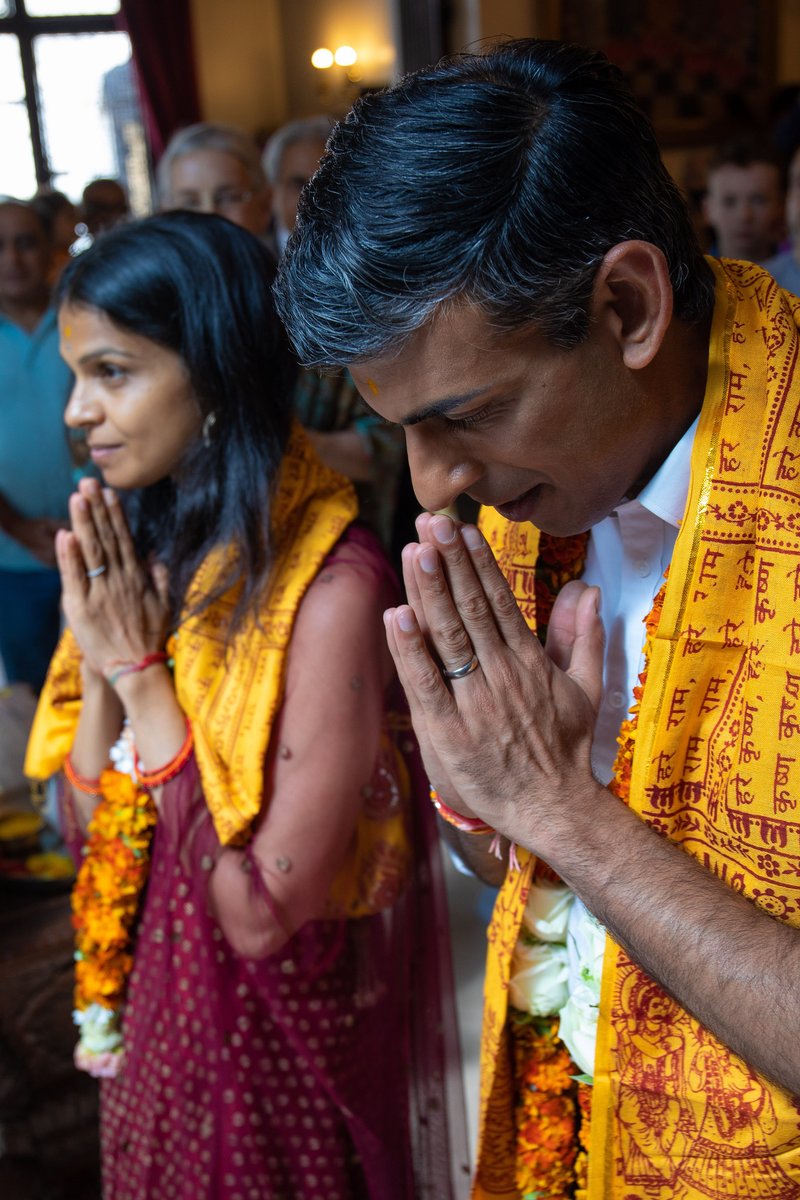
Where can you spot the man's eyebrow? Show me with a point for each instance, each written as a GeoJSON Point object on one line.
{"type": "Point", "coordinates": [441, 407]}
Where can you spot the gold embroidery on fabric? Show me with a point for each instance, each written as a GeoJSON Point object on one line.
{"type": "Point", "coordinates": [677, 1116]}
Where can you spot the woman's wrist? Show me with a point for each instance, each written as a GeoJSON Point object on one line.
{"type": "Point", "coordinates": [118, 668]}
{"type": "Point", "coordinates": [91, 678]}
{"type": "Point", "coordinates": [138, 689]}
{"type": "Point", "coordinates": [154, 778]}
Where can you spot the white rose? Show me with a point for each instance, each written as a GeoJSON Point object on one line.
{"type": "Point", "coordinates": [98, 1026]}
{"type": "Point", "coordinates": [547, 911]}
{"type": "Point", "coordinates": [123, 752]}
{"type": "Point", "coordinates": [538, 983]}
{"type": "Point", "coordinates": [577, 1027]}
{"type": "Point", "coordinates": [586, 946]}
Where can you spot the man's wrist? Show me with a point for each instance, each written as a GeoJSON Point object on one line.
{"type": "Point", "coordinates": [568, 828]}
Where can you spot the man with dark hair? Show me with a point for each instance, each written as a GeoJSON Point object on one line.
{"type": "Point", "coordinates": [744, 201]}
{"type": "Point", "coordinates": [103, 205]}
{"type": "Point", "coordinates": [495, 250]}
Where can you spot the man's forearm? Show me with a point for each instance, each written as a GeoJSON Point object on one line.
{"type": "Point", "coordinates": [726, 961]}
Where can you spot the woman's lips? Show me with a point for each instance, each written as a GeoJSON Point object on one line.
{"type": "Point", "coordinates": [101, 454]}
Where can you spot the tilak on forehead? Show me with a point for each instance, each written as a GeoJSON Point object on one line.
{"type": "Point", "coordinates": [373, 387]}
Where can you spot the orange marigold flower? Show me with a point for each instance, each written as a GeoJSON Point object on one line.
{"type": "Point", "coordinates": [107, 892]}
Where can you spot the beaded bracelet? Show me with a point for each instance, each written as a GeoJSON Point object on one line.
{"type": "Point", "coordinates": [154, 779]}
{"type": "Point", "coordinates": [129, 668]}
{"type": "Point", "coordinates": [90, 786]}
{"type": "Point", "coordinates": [463, 824]}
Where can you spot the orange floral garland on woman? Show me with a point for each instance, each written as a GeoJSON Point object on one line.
{"type": "Point", "coordinates": [105, 905]}
{"type": "Point", "coordinates": [553, 1101]}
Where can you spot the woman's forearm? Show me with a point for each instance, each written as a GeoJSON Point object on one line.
{"type": "Point", "coordinates": [98, 728]}
{"type": "Point", "coordinates": [156, 718]}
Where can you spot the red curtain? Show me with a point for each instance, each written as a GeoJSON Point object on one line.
{"type": "Point", "coordinates": [163, 58]}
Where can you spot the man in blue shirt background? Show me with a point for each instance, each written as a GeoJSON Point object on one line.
{"type": "Point", "coordinates": [36, 464]}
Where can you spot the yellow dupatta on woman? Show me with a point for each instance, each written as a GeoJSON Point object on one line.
{"type": "Point", "coordinates": [716, 769]}
{"type": "Point", "coordinates": [231, 693]}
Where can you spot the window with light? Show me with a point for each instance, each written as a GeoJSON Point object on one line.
{"type": "Point", "coordinates": [69, 109]}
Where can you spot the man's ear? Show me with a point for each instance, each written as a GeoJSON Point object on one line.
{"type": "Point", "coordinates": [632, 298]}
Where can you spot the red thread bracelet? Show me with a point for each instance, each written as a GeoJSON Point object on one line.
{"type": "Point", "coordinates": [153, 779]}
{"type": "Point", "coordinates": [121, 668]}
{"type": "Point", "coordinates": [462, 824]}
{"type": "Point", "coordinates": [90, 786]}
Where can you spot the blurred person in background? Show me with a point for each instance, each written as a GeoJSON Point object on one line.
{"type": "Point", "coordinates": [215, 169]}
{"type": "Point", "coordinates": [345, 433]}
{"type": "Point", "coordinates": [290, 158]}
{"type": "Point", "coordinates": [103, 205]}
{"type": "Point", "coordinates": [785, 267]}
{"type": "Point", "coordinates": [61, 216]}
{"type": "Point", "coordinates": [744, 201]}
{"type": "Point", "coordinates": [36, 467]}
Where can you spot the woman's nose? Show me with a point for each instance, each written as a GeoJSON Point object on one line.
{"type": "Point", "coordinates": [82, 409]}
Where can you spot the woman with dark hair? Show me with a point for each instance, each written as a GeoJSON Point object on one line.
{"type": "Point", "coordinates": [222, 709]}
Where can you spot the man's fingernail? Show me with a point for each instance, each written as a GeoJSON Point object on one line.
{"type": "Point", "coordinates": [427, 559]}
{"type": "Point", "coordinates": [444, 530]}
{"type": "Point", "coordinates": [405, 619]}
{"type": "Point", "coordinates": [473, 538]}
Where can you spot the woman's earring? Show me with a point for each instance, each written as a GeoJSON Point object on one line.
{"type": "Point", "coordinates": [208, 427]}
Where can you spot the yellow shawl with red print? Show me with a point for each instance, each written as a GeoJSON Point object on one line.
{"type": "Point", "coordinates": [230, 693]}
{"type": "Point", "coordinates": [716, 769]}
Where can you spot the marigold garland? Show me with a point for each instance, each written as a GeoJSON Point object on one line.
{"type": "Point", "coordinates": [559, 561]}
{"type": "Point", "coordinates": [553, 1109]}
{"type": "Point", "coordinates": [546, 1110]}
{"type": "Point", "coordinates": [620, 784]}
{"type": "Point", "coordinates": [105, 905]}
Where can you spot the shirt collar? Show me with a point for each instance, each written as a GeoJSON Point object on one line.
{"type": "Point", "coordinates": [666, 494]}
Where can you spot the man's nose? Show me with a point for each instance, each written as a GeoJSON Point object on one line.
{"type": "Point", "coordinates": [439, 472]}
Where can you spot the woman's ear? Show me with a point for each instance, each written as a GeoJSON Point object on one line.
{"type": "Point", "coordinates": [632, 298]}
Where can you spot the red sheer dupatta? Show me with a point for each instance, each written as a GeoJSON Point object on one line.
{"type": "Point", "coordinates": [394, 1074]}
{"type": "Point", "coordinates": [440, 1150]}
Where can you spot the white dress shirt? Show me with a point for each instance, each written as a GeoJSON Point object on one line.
{"type": "Point", "coordinates": [627, 556]}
